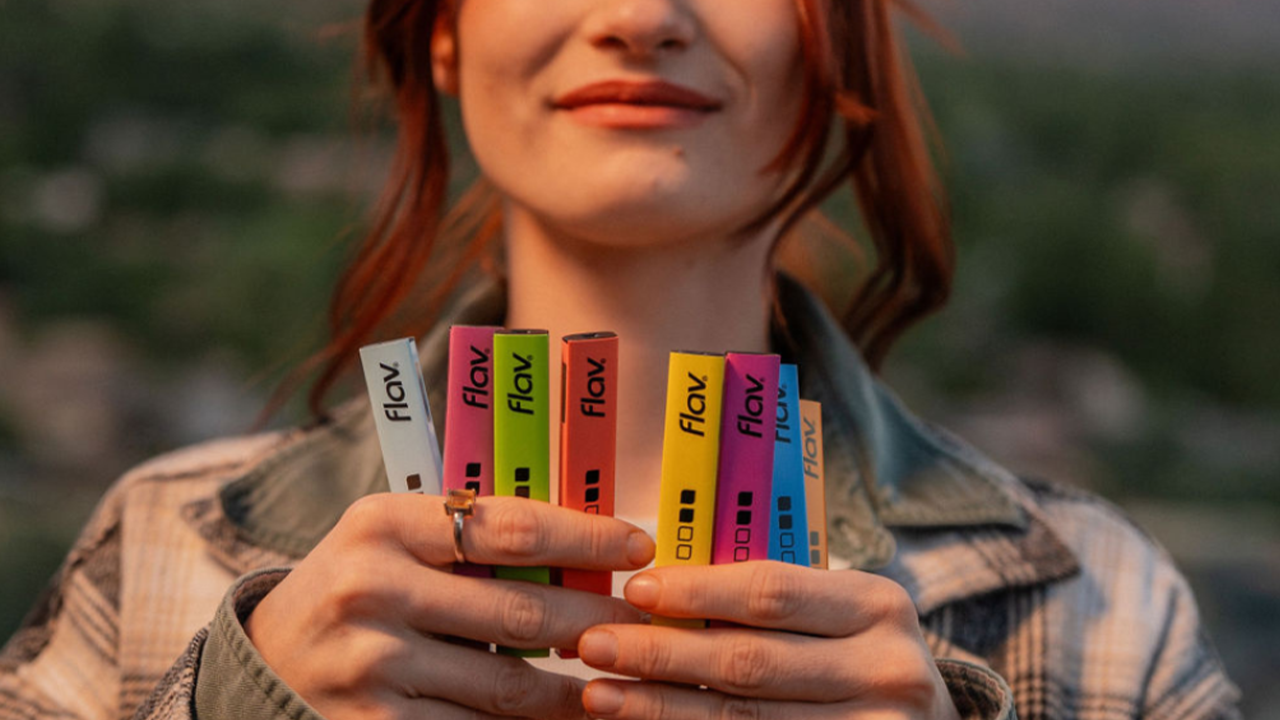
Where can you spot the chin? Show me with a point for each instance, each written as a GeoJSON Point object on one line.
{"type": "Point", "coordinates": [639, 225]}
{"type": "Point", "coordinates": [645, 217]}
{"type": "Point", "coordinates": [637, 197]}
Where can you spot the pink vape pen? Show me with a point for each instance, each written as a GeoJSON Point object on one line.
{"type": "Point", "coordinates": [468, 432]}
{"type": "Point", "coordinates": [745, 480]}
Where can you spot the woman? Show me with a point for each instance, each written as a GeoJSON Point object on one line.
{"type": "Point", "coordinates": [645, 157]}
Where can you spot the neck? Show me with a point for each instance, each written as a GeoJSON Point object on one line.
{"type": "Point", "coordinates": [705, 294]}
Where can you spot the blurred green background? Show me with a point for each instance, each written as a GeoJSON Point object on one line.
{"type": "Point", "coordinates": [177, 182]}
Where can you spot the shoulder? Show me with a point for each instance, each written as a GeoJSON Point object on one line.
{"type": "Point", "coordinates": [182, 472]}
{"type": "Point", "coordinates": [155, 491]}
{"type": "Point", "coordinates": [1122, 578]}
{"type": "Point", "coordinates": [1097, 530]}
{"type": "Point", "coordinates": [137, 558]}
{"type": "Point", "coordinates": [88, 586]}
{"type": "Point", "coordinates": [1127, 586]}
{"type": "Point", "coordinates": [154, 494]}
{"type": "Point", "coordinates": [212, 457]}
{"type": "Point", "coordinates": [174, 477]}
{"type": "Point", "coordinates": [1122, 633]}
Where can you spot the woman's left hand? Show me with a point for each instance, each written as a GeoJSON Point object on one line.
{"type": "Point", "coordinates": [814, 644]}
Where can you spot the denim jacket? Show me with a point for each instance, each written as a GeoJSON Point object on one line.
{"type": "Point", "coordinates": [1038, 601]}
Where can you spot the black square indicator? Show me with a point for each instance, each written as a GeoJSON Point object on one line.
{"type": "Point", "coordinates": [784, 522]}
{"type": "Point", "coordinates": [593, 477]}
{"type": "Point", "coordinates": [744, 517]}
{"type": "Point", "coordinates": [686, 515]}
{"type": "Point", "coordinates": [784, 503]}
{"type": "Point", "coordinates": [473, 470]}
{"type": "Point", "coordinates": [414, 482]}
{"type": "Point", "coordinates": [522, 474]}
{"type": "Point", "coordinates": [522, 491]}
{"type": "Point", "coordinates": [745, 498]}
{"type": "Point", "coordinates": [593, 495]}
{"type": "Point", "coordinates": [474, 486]}
{"type": "Point", "coordinates": [687, 496]}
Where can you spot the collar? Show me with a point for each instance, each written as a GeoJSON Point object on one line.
{"type": "Point", "coordinates": [884, 467]}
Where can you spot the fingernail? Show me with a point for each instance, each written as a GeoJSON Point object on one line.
{"type": "Point", "coordinates": [598, 648]}
{"type": "Point", "coordinates": [602, 698]}
{"type": "Point", "coordinates": [639, 549]}
{"type": "Point", "coordinates": [641, 592]}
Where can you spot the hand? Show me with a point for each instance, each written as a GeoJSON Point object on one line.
{"type": "Point", "coordinates": [356, 627]}
{"type": "Point", "coordinates": [818, 644]}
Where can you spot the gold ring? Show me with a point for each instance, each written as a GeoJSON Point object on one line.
{"type": "Point", "coordinates": [460, 504]}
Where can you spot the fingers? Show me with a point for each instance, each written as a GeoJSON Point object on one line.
{"type": "Point", "coordinates": [430, 707]}
{"type": "Point", "coordinates": [406, 675]}
{"type": "Point", "coordinates": [774, 595]}
{"type": "Point", "coordinates": [743, 662]}
{"type": "Point", "coordinates": [492, 684]}
{"type": "Point", "coordinates": [641, 700]}
{"type": "Point", "coordinates": [503, 531]}
{"type": "Point", "coordinates": [510, 613]}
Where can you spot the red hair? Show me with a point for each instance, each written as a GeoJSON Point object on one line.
{"type": "Point", "coordinates": [858, 88]}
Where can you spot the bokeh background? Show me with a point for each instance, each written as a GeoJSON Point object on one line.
{"type": "Point", "coordinates": [178, 182]}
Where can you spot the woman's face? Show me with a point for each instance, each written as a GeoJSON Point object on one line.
{"type": "Point", "coordinates": [627, 122]}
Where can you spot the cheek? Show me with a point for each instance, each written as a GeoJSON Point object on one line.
{"type": "Point", "coordinates": [502, 46]}
{"type": "Point", "coordinates": [778, 68]}
{"type": "Point", "coordinates": [781, 66]}
{"type": "Point", "coordinates": [761, 43]}
{"type": "Point", "coordinates": [514, 34]}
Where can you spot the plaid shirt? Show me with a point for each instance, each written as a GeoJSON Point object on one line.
{"type": "Point", "coordinates": [1031, 596]}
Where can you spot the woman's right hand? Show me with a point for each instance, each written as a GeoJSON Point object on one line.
{"type": "Point", "coordinates": [357, 628]}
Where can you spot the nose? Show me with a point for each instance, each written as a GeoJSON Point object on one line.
{"type": "Point", "coordinates": [642, 28]}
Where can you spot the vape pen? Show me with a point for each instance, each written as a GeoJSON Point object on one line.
{"type": "Point", "coordinates": [521, 434]}
{"type": "Point", "coordinates": [745, 475]}
{"type": "Point", "coordinates": [402, 416]}
{"type": "Point", "coordinates": [588, 441]}
{"type": "Point", "coordinates": [468, 426]}
{"type": "Point", "coordinates": [468, 430]}
{"type": "Point", "coordinates": [815, 492]}
{"type": "Point", "coordinates": [588, 437]}
{"type": "Point", "coordinates": [690, 456]}
{"type": "Point", "coordinates": [789, 523]}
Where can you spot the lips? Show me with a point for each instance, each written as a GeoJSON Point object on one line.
{"type": "Point", "coordinates": [651, 93]}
